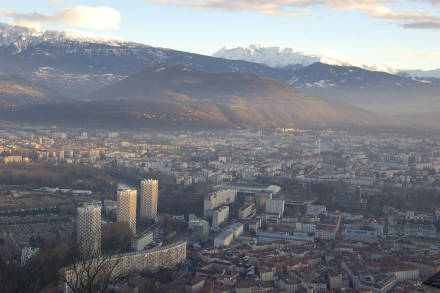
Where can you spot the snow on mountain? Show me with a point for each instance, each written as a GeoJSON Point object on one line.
{"type": "Point", "coordinates": [10, 34]}
{"type": "Point", "coordinates": [75, 65]}
{"type": "Point", "coordinates": [17, 39]}
{"type": "Point", "coordinates": [271, 56]}
{"type": "Point", "coordinates": [278, 57]}
{"type": "Point", "coordinates": [423, 73]}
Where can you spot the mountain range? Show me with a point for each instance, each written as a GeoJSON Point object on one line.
{"type": "Point", "coordinates": [271, 56]}
{"type": "Point", "coordinates": [281, 57]}
{"type": "Point", "coordinates": [76, 71]}
{"type": "Point", "coordinates": [77, 66]}
{"type": "Point", "coordinates": [423, 73]}
{"type": "Point", "coordinates": [16, 91]}
{"type": "Point", "coordinates": [180, 96]}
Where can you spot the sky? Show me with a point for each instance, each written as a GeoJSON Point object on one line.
{"type": "Point", "coordinates": [400, 34]}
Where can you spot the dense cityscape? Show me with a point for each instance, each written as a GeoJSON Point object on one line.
{"type": "Point", "coordinates": [264, 210]}
{"type": "Point", "coordinates": [219, 146]}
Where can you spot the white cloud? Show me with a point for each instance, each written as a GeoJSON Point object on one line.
{"type": "Point", "coordinates": [296, 8]}
{"type": "Point", "coordinates": [100, 17]}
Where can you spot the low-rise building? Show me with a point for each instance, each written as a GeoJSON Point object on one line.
{"type": "Point", "coordinates": [141, 241]}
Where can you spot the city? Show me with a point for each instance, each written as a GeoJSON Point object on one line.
{"type": "Point", "coordinates": [219, 146]}
{"type": "Point", "coordinates": [260, 210]}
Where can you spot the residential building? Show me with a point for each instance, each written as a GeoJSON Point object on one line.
{"type": "Point", "coordinates": [219, 216]}
{"type": "Point", "coordinates": [149, 196]}
{"type": "Point", "coordinates": [89, 229]}
{"type": "Point", "coordinates": [217, 199]}
{"type": "Point", "coordinates": [127, 208]}
{"type": "Point", "coordinates": [123, 264]}
{"type": "Point", "coordinates": [275, 206]}
{"type": "Point", "coordinates": [141, 241]}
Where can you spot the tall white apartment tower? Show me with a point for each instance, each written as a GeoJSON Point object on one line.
{"type": "Point", "coordinates": [89, 229]}
{"type": "Point", "coordinates": [149, 194]}
{"type": "Point", "coordinates": [127, 208]}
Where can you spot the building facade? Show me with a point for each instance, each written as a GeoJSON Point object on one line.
{"type": "Point", "coordinates": [275, 206]}
{"type": "Point", "coordinates": [245, 211]}
{"type": "Point", "coordinates": [89, 229]}
{"type": "Point", "coordinates": [149, 195]}
{"type": "Point", "coordinates": [154, 259]}
{"type": "Point", "coordinates": [217, 199]}
{"type": "Point", "coordinates": [127, 208]}
{"type": "Point", "coordinates": [219, 216]}
{"type": "Point", "coordinates": [141, 241]}
{"type": "Point", "coordinates": [12, 159]}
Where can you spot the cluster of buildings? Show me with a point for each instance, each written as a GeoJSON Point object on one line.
{"type": "Point", "coordinates": [257, 237]}
{"type": "Point", "coordinates": [271, 244]}
{"type": "Point", "coordinates": [89, 216]}
{"type": "Point", "coordinates": [229, 155]}
{"type": "Point", "coordinates": [215, 206]}
{"type": "Point", "coordinates": [122, 264]}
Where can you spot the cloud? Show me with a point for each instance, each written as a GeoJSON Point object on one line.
{"type": "Point", "coordinates": [423, 25]}
{"type": "Point", "coordinates": [296, 8]}
{"type": "Point", "coordinates": [100, 18]}
{"type": "Point", "coordinates": [433, 2]}
{"type": "Point", "coordinates": [265, 7]}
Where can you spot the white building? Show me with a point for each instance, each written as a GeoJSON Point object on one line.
{"type": "Point", "coordinates": [149, 195]}
{"type": "Point", "coordinates": [127, 208]}
{"type": "Point", "coordinates": [12, 159]}
{"type": "Point", "coordinates": [89, 229]}
{"type": "Point", "coordinates": [305, 227]}
{"type": "Point", "coordinates": [275, 206]}
{"type": "Point", "coordinates": [218, 198]}
{"type": "Point", "coordinates": [141, 241]}
{"type": "Point", "coordinates": [316, 210]}
{"type": "Point", "coordinates": [236, 228]}
{"type": "Point", "coordinates": [219, 216]}
{"type": "Point", "coordinates": [269, 237]}
{"type": "Point", "coordinates": [230, 233]}
{"type": "Point", "coordinates": [407, 273]}
{"type": "Point", "coordinates": [225, 238]}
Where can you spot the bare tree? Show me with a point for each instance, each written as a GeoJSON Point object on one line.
{"type": "Point", "coordinates": [95, 274]}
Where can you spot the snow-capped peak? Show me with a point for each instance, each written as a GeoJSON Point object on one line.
{"type": "Point", "coordinates": [78, 36]}
{"type": "Point", "coordinates": [10, 34]}
{"type": "Point", "coordinates": [279, 57]}
{"type": "Point", "coordinates": [271, 56]}
{"type": "Point", "coordinates": [20, 37]}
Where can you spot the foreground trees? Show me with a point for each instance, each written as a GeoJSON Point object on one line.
{"type": "Point", "coordinates": [43, 269]}
{"type": "Point", "coordinates": [90, 275]}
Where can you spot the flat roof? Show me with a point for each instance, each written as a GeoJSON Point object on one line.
{"type": "Point", "coordinates": [241, 185]}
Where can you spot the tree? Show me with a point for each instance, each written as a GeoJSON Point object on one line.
{"type": "Point", "coordinates": [96, 274]}
{"type": "Point", "coordinates": [89, 275]}
{"type": "Point", "coordinates": [15, 278]}
{"type": "Point", "coordinates": [116, 237]}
